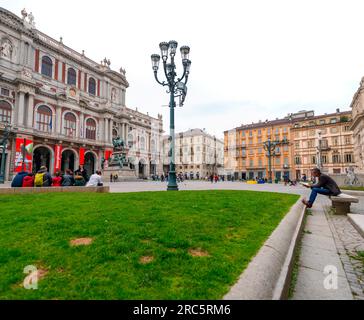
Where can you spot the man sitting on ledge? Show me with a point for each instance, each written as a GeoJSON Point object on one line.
{"type": "Point", "coordinates": [326, 185]}
{"type": "Point", "coordinates": [95, 180]}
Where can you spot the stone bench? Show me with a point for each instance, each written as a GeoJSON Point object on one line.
{"type": "Point", "coordinates": [341, 203]}
{"type": "Point", "coordinates": [102, 189]}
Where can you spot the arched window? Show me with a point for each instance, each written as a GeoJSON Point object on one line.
{"type": "Point", "coordinates": [142, 143]}
{"type": "Point", "coordinates": [92, 86]}
{"type": "Point", "coordinates": [5, 112]}
{"type": "Point", "coordinates": [47, 66]}
{"type": "Point", "coordinates": [71, 76]}
{"type": "Point", "coordinates": [44, 119]}
{"type": "Point", "coordinates": [70, 124]}
{"type": "Point", "coordinates": [130, 140]}
{"type": "Point", "coordinates": [90, 129]}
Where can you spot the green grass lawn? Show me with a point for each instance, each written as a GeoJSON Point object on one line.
{"type": "Point", "coordinates": [228, 227]}
{"type": "Point", "coordinates": [352, 188]}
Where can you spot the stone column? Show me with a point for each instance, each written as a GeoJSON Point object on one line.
{"type": "Point", "coordinates": [106, 130]}
{"type": "Point", "coordinates": [110, 130]}
{"type": "Point", "coordinates": [58, 121]}
{"type": "Point", "coordinates": [82, 126]}
{"type": "Point", "coordinates": [101, 130]}
{"type": "Point", "coordinates": [21, 108]}
{"type": "Point", "coordinates": [30, 111]}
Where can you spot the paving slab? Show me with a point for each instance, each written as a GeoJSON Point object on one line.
{"type": "Point", "coordinates": [321, 242]}
{"type": "Point", "coordinates": [311, 286]}
{"type": "Point", "coordinates": [318, 259]}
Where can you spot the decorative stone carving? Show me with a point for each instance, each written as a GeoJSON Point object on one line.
{"type": "Point", "coordinates": [26, 73]}
{"type": "Point", "coordinates": [113, 94]}
{"type": "Point", "coordinates": [6, 49]}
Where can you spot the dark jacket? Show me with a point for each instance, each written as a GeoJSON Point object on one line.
{"type": "Point", "coordinates": [18, 179]}
{"type": "Point", "coordinates": [328, 183]}
{"type": "Point", "coordinates": [47, 179]}
{"type": "Point", "coordinates": [67, 180]}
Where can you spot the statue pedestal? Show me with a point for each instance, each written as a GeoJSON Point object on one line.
{"type": "Point", "coordinates": [124, 174]}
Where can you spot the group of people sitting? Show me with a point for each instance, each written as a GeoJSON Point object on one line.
{"type": "Point", "coordinates": [44, 179]}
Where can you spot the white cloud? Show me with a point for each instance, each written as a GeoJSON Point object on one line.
{"type": "Point", "coordinates": [251, 60]}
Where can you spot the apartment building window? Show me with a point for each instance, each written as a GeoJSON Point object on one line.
{"type": "Point", "coordinates": [260, 163]}
{"type": "Point", "coordinates": [250, 133]}
{"type": "Point", "coordinates": [70, 124]}
{"type": "Point", "coordinates": [278, 161]}
{"type": "Point", "coordinates": [71, 76]}
{"type": "Point", "coordinates": [260, 150]}
{"type": "Point", "coordinates": [285, 130]}
{"type": "Point", "coordinates": [312, 133]}
{"type": "Point", "coordinates": [277, 150]}
{"type": "Point", "coordinates": [285, 161]}
{"type": "Point", "coordinates": [243, 152]}
{"type": "Point", "coordinates": [259, 140]}
{"type": "Point", "coordinates": [259, 132]}
{"type": "Point", "coordinates": [47, 66]}
{"type": "Point", "coordinates": [313, 159]}
{"type": "Point", "coordinates": [5, 92]}
{"type": "Point", "coordinates": [333, 120]}
{"type": "Point", "coordinates": [322, 121]}
{"type": "Point", "coordinates": [243, 134]}
{"type": "Point", "coordinates": [335, 158]}
{"type": "Point", "coordinates": [324, 158]}
{"type": "Point", "coordinates": [297, 160]}
{"type": "Point", "coordinates": [243, 143]}
{"type": "Point", "coordinates": [297, 134]}
{"type": "Point", "coordinates": [268, 132]}
{"type": "Point", "coordinates": [349, 158]}
{"type": "Point", "coordinates": [297, 144]}
{"type": "Point", "coordinates": [346, 128]}
{"type": "Point", "coordinates": [44, 119]}
{"type": "Point", "coordinates": [92, 86]}
{"type": "Point", "coordinates": [90, 129]}
{"type": "Point", "coordinates": [251, 163]}
{"type": "Point", "coordinates": [347, 140]}
{"type": "Point", "coordinates": [323, 131]}
{"type": "Point", "coordinates": [250, 141]}
{"type": "Point", "coordinates": [335, 141]}
{"type": "Point", "coordinates": [5, 112]}
{"type": "Point", "coordinates": [285, 148]}
{"type": "Point", "coordinates": [251, 152]}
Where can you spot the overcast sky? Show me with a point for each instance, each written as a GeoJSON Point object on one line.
{"type": "Point", "coordinates": [251, 60]}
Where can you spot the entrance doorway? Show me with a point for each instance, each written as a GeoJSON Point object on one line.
{"type": "Point", "coordinates": [41, 157]}
{"type": "Point", "coordinates": [141, 171]}
{"type": "Point", "coordinates": [68, 160]}
{"type": "Point", "coordinates": [153, 168]}
{"type": "Point", "coordinates": [89, 164]}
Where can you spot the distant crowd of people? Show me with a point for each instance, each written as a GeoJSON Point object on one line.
{"type": "Point", "coordinates": [43, 178]}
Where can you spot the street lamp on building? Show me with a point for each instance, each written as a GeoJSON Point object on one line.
{"type": "Point", "coordinates": [269, 146]}
{"type": "Point", "coordinates": [176, 88]}
{"type": "Point", "coordinates": [3, 145]}
{"type": "Point", "coordinates": [319, 148]}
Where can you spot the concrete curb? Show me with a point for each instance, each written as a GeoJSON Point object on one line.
{"type": "Point", "coordinates": [357, 220]}
{"type": "Point", "coordinates": [268, 275]}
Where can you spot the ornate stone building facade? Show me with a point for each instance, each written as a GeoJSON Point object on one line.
{"type": "Point", "coordinates": [198, 154]}
{"type": "Point", "coordinates": [299, 135]}
{"type": "Point", "coordinates": [325, 141]}
{"type": "Point", "coordinates": [357, 106]}
{"type": "Point", "coordinates": [65, 108]}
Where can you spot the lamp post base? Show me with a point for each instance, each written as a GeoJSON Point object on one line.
{"type": "Point", "coordinates": [172, 182]}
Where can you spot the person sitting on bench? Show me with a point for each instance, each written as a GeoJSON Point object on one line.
{"type": "Point", "coordinates": [326, 185]}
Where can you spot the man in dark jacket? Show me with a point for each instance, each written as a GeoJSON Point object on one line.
{"type": "Point", "coordinates": [18, 179]}
{"type": "Point", "coordinates": [47, 178]}
{"type": "Point", "coordinates": [326, 185]}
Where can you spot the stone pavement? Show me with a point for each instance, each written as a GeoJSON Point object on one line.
{"type": "Point", "coordinates": [329, 241]}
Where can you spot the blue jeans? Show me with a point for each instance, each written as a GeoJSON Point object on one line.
{"type": "Point", "coordinates": [315, 191]}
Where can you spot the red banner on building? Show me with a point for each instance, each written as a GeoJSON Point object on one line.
{"type": "Point", "coordinates": [82, 156]}
{"type": "Point", "coordinates": [57, 157]}
{"type": "Point", "coordinates": [23, 155]}
{"type": "Point", "coordinates": [107, 154]}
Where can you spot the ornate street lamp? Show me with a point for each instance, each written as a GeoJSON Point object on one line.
{"type": "Point", "coordinates": [176, 88]}
{"type": "Point", "coordinates": [3, 145]}
{"type": "Point", "coordinates": [270, 146]}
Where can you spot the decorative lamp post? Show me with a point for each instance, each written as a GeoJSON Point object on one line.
{"type": "Point", "coordinates": [176, 88]}
{"type": "Point", "coordinates": [3, 145]}
{"type": "Point", "coordinates": [319, 146]}
{"type": "Point", "coordinates": [269, 146]}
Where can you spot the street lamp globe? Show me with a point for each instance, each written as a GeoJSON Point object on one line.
{"type": "Point", "coordinates": [164, 50]}
{"type": "Point", "coordinates": [173, 47]}
{"type": "Point", "coordinates": [155, 61]}
{"type": "Point", "coordinates": [185, 52]}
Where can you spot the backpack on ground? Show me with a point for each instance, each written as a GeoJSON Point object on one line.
{"type": "Point", "coordinates": [38, 181]}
